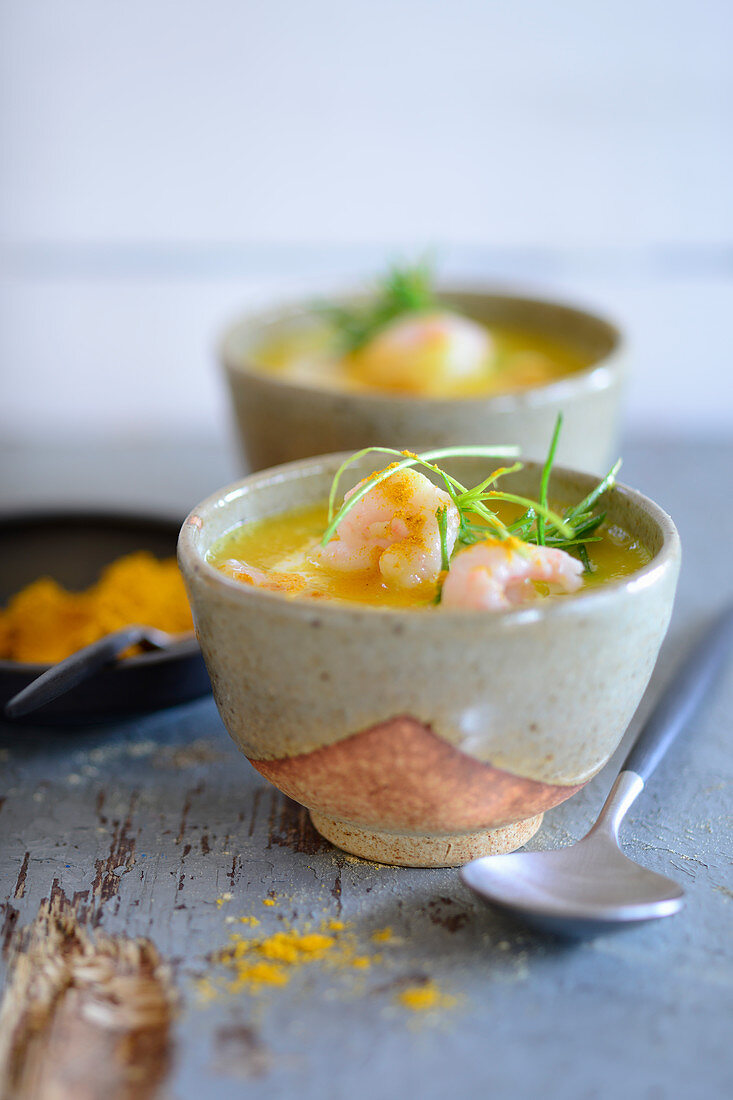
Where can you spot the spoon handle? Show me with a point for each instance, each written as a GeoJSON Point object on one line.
{"type": "Point", "coordinates": [682, 697]}
{"type": "Point", "coordinates": [65, 675]}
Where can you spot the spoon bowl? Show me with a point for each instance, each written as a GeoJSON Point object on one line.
{"type": "Point", "coordinates": [584, 889]}
{"type": "Point", "coordinates": [592, 886]}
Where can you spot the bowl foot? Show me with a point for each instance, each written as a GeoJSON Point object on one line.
{"type": "Point", "coordinates": [414, 850]}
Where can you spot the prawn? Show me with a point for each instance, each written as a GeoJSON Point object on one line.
{"type": "Point", "coordinates": [494, 575]}
{"type": "Point", "coordinates": [393, 529]}
{"type": "Point", "coordinates": [424, 353]}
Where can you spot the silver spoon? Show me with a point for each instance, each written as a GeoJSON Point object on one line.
{"type": "Point", "coordinates": [591, 886]}
{"type": "Point", "coordinates": [65, 675]}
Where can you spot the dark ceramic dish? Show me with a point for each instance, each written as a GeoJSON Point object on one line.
{"type": "Point", "coordinates": [73, 548]}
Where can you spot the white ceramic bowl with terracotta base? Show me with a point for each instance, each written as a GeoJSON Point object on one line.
{"type": "Point", "coordinates": [281, 419]}
{"type": "Point", "coordinates": [427, 737]}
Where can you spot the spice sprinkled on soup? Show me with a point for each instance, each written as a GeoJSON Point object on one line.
{"type": "Point", "coordinates": [400, 540]}
{"type": "Point", "coordinates": [403, 340]}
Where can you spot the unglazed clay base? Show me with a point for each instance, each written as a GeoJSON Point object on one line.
{"type": "Point", "coordinates": [407, 850]}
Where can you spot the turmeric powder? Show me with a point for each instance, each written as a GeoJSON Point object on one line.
{"type": "Point", "coordinates": [260, 964]}
{"type": "Point", "coordinates": [45, 622]}
{"type": "Point", "coordinates": [268, 961]}
{"type": "Point", "coordinates": [425, 998]}
{"type": "Point", "coordinates": [253, 963]}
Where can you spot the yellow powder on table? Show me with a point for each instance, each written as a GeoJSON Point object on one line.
{"type": "Point", "coordinates": [252, 976]}
{"type": "Point", "coordinates": [256, 963]}
{"type": "Point", "coordinates": [423, 998]}
{"type": "Point", "coordinates": [252, 964]}
{"type": "Point", "coordinates": [269, 901]}
{"type": "Point", "coordinates": [45, 623]}
{"type": "Point", "coordinates": [294, 947]}
{"type": "Point", "coordinates": [206, 989]}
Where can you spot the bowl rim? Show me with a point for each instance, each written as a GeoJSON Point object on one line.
{"type": "Point", "coordinates": [599, 375]}
{"type": "Point", "coordinates": [192, 560]}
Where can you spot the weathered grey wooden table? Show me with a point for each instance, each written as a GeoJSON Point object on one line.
{"type": "Point", "coordinates": [158, 828]}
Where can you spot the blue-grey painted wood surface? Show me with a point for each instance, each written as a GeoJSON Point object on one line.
{"type": "Point", "coordinates": [146, 824]}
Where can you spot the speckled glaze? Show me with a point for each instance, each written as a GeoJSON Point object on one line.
{"type": "Point", "coordinates": [280, 420]}
{"type": "Point", "coordinates": [426, 737]}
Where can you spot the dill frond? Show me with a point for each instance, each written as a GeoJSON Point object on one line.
{"type": "Point", "coordinates": [403, 290]}
{"type": "Point", "coordinates": [539, 524]}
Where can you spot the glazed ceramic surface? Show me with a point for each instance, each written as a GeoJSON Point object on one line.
{"type": "Point", "coordinates": [280, 419]}
{"type": "Point", "coordinates": [426, 737]}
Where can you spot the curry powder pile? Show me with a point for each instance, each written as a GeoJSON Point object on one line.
{"type": "Point", "coordinates": [45, 623]}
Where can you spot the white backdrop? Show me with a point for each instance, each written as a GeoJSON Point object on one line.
{"type": "Point", "coordinates": [166, 162]}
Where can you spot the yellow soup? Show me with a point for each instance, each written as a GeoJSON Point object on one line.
{"type": "Point", "coordinates": [515, 359]}
{"type": "Point", "coordinates": [282, 547]}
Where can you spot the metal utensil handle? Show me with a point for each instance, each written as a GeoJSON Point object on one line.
{"type": "Point", "coordinates": [62, 677]}
{"type": "Point", "coordinates": [682, 697]}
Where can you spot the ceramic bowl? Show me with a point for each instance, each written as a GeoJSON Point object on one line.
{"type": "Point", "coordinates": [280, 420]}
{"type": "Point", "coordinates": [426, 738]}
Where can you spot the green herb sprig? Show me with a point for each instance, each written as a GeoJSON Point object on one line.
{"type": "Point", "coordinates": [532, 527]}
{"type": "Point", "coordinates": [469, 502]}
{"type": "Point", "coordinates": [538, 524]}
{"type": "Point", "coordinates": [403, 290]}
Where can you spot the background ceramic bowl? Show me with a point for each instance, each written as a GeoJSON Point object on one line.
{"type": "Point", "coordinates": [280, 420]}
{"type": "Point", "coordinates": [426, 737]}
